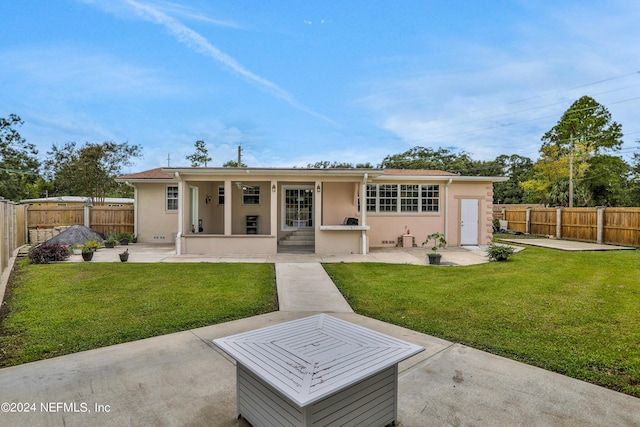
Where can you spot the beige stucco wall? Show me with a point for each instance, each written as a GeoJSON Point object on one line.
{"type": "Point", "coordinates": [386, 228]}
{"type": "Point", "coordinates": [154, 223]}
{"type": "Point", "coordinates": [338, 202]}
{"type": "Point", "coordinates": [338, 242]}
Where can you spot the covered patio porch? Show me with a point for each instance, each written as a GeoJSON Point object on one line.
{"type": "Point", "coordinates": [256, 210]}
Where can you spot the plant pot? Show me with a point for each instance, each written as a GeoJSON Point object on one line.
{"type": "Point", "coordinates": [77, 251]}
{"type": "Point", "coordinates": [124, 242]}
{"type": "Point", "coordinates": [87, 256]}
{"type": "Point", "coordinates": [124, 257]}
{"type": "Point", "coordinates": [434, 259]}
{"type": "Point", "coordinates": [108, 244]}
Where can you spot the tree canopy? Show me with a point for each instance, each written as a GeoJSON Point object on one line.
{"type": "Point", "coordinates": [201, 156]}
{"type": "Point", "coordinates": [90, 170]}
{"type": "Point", "coordinates": [19, 164]}
{"type": "Point", "coordinates": [569, 150]}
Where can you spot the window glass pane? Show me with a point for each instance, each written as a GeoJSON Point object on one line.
{"type": "Point", "coordinates": [221, 195]}
{"type": "Point", "coordinates": [388, 194]}
{"type": "Point", "coordinates": [250, 195]}
{"type": "Point", "coordinates": [430, 198]}
{"type": "Point", "coordinates": [409, 197]}
{"type": "Point", "coordinates": [372, 195]}
{"type": "Point", "coordinates": [172, 198]}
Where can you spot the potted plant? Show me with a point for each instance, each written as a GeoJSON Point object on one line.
{"type": "Point", "coordinates": [111, 241]}
{"type": "Point", "coordinates": [90, 246]}
{"type": "Point", "coordinates": [439, 242]}
{"type": "Point", "coordinates": [77, 249]}
{"type": "Point", "coordinates": [124, 238]}
{"type": "Point", "coordinates": [124, 256]}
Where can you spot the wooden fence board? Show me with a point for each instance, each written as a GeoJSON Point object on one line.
{"type": "Point", "coordinates": [617, 226]}
{"type": "Point", "coordinates": [543, 222]}
{"type": "Point", "coordinates": [103, 219]}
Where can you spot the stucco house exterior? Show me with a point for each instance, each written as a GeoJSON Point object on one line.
{"type": "Point", "coordinates": [266, 210]}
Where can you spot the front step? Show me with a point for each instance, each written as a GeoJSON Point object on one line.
{"type": "Point", "coordinates": [302, 237]}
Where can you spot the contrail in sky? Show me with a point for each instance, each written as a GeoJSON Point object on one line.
{"type": "Point", "coordinates": [200, 44]}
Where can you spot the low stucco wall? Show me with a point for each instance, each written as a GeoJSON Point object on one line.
{"type": "Point", "coordinates": [229, 245]}
{"type": "Point", "coordinates": [339, 241]}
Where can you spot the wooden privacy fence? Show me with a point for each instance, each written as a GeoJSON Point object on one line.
{"type": "Point", "coordinates": [103, 219]}
{"type": "Point", "coordinates": [619, 226]}
{"type": "Point", "coordinates": [13, 232]}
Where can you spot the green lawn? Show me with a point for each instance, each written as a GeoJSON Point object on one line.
{"type": "Point", "coordinates": [64, 308]}
{"type": "Point", "coordinates": [576, 313]}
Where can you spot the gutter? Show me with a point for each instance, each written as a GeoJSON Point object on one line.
{"type": "Point", "coordinates": [446, 209]}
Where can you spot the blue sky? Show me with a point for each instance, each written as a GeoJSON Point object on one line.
{"type": "Point", "coordinates": [295, 82]}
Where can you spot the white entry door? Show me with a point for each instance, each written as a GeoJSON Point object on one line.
{"type": "Point", "coordinates": [469, 222]}
{"type": "Point", "coordinates": [298, 207]}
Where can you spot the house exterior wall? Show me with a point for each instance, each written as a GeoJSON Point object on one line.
{"type": "Point", "coordinates": [155, 223]}
{"type": "Point", "coordinates": [338, 202]}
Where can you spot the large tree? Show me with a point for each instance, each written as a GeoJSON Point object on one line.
{"type": "Point", "coordinates": [518, 169]}
{"type": "Point", "coordinates": [584, 131]}
{"type": "Point", "coordinates": [427, 158]}
{"type": "Point", "coordinates": [90, 170]}
{"type": "Point", "coordinates": [19, 164]}
{"type": "Point", "coordinates": [201, 156]}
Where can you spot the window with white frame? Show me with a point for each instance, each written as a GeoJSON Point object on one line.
{"type": "Point", "coordinates": [172, 198]}
{"type": "Point", "coordinates": [403, 198]}
{"type": "Point", "coordinates": [430, 198]}
{"type": "Point", "coordinates": [250, 195]}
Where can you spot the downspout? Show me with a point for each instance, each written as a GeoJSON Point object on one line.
{"type": "Point", "coordinates": [135, 207]}
{"type": "Point", "coordinates": [363, 212]}
{"type": "Point", "coordinates": [446, 209]}
{"type": "Point", "coordinates": [180, 215]}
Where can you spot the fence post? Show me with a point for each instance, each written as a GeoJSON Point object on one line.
{"type": "Point", "coordinates": [558, 223]}
{"type": "Point", "coordinates": [87, 216]}
{"type": "Point", "coordinates": [600, 229]}
{"type": "Point", "coordinates": [527, 220]}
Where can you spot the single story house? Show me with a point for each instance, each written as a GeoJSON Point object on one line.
{"type": "Point", "coordinates": [206, 210]}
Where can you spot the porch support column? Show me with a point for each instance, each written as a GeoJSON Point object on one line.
{"type": "Point", "coordinates": [228, 201]}
{"type": "Point", "coordinates": [274, 209]}
{"type": "Point", "coordinates": [317, 208]}
{"type": "Point", "coordinates": [363, 212]}
{"type": "Point", "coordinates": [180, 213]}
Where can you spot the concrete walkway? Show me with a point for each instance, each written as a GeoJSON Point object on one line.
{"type": "Point", "coordinates": [183, 380]}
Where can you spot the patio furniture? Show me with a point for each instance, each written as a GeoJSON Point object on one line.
{"type": "Point", "coordinates": [316, 371]}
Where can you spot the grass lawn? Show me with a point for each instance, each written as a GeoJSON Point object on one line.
{"type": "Point", "coordinates": [576, 313]}
{"type": "Point", "coordinates": [65, 308]}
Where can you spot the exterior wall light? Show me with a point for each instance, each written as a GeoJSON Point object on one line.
{"type": "Point", "coordinates": [318, 188]}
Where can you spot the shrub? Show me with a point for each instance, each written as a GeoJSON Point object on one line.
{"type": "Point", "coordinates": [46, 253]}
{"type": "Point", "coordinates": [499, 252]}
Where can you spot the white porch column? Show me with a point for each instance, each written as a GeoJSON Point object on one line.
{"type": "Point", "coordinates": [180, 214]}
{"type": "Point", "coordinates": [274, 208]}
{"type": "Point", "coordinates": [227, 207]}
{"type": "Point", "coordinates": [363, 212]}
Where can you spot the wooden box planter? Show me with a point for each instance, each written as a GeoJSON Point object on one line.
{"type": "Point", "coordinates": [319, 370]}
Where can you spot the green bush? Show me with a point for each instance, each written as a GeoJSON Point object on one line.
{"type": "Point", "coordinates": [47, 253]}
{"type": "Point", "coordinates": [499, 252]}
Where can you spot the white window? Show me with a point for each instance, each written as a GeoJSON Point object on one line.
{"type": "Point", "coordinates": [172, 198]}
{"type": "Point", "coordinates": [403, 198]}
{"type": "Point", "coordinates": [430, 198]}
{"type": "Point", "coordinates": [250, 195]}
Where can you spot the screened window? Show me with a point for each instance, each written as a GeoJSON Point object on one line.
{"type": "Point", "coordinates": [172, 198]}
